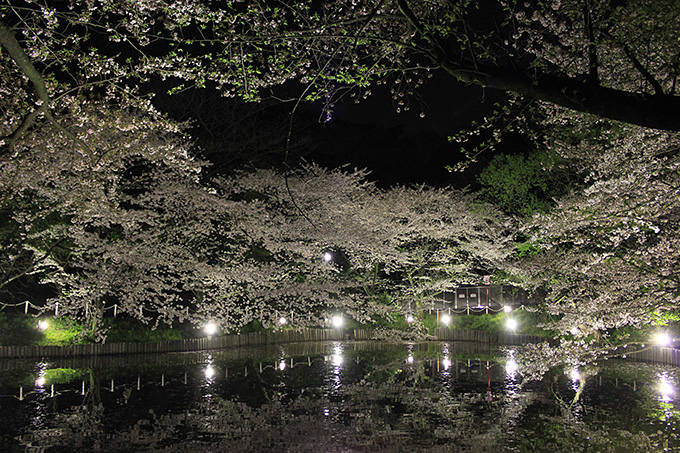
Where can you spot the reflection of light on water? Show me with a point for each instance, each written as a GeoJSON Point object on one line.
{"type": "Point", "coordinates": [511, 365]}
{"type": "Point", "coordinates": [446, 363]}
{"type": "Point", "coordinates": [337, 355]}
{"type": "Point", "coordinates": [209, 371]}
{"type": "Point", "coordinates": [41, 381]}
{"type": "Point", "coordinates": [665, 388]}
{"type": "Point", "coordinates": [511, 371]}
{"type": "Point", "coordinates": [336, 361]}
{"type": "Point", "coordinates": [409, 350]}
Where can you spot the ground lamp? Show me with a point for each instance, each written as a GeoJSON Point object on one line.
{"type": "Point", "coordinates": [337, 321]}
{"type": "Point", "coordinates": [663, 339]}
{"type": "Point", "coordinates": [210, 328]}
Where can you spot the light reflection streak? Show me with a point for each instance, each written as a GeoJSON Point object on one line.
{"type": "Point", "coordinates": [446, 361]}
{"type": "Point", "coordinates": [209, 371]}
{"type": "Point", "coordinates": [666, 388]}
{"type": "Point", "coordinates": [409, 350]}
{"type": "Point", "coordinates": [337, 361]}
{"type": "Point", "coordinates": [337, 356]}
{"type": "Point", "coordinates": [41, 381]}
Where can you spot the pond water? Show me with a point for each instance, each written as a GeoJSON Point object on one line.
{"type": "Point", "coordinates": [334, 397]}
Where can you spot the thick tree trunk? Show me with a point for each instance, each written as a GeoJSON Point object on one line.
{"type": "Point", "coordinates": [654, 111]}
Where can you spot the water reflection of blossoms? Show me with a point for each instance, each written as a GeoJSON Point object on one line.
{"type": "Point", "coordinates": [432, 395]}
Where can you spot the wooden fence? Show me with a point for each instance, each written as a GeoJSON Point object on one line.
{"type": "Point", "coordinates": [192, 344]}
{"type": "Point", "coordinates": [446, 334]}
{"type": "Point", "coordinates": [656, 354]}
{"type": "Point", "coordinates": [246, 339]}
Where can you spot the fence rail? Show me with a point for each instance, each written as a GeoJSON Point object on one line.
{"type": "Point", "coordinates": [446, 334]}
{"type": "Point", "coordinates": [656, 354]}
{"type": "Point", "coordinates": [246, 339]}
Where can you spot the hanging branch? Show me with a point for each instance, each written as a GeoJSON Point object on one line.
{"type": "Point", "coordinates": [10, 43]}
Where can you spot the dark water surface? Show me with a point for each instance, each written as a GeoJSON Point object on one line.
{"type": "Point", "coordinates": [335, 397]}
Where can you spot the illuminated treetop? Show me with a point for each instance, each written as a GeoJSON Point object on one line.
{"type": "Point", "coordinates": [615, 59]}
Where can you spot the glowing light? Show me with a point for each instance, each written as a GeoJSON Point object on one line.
{"type": "Point", "coordinates": [337, 321]}
{"type": "Point", "coordinates": [40, 381]}
{"type": "Point", "coordinates": [665, 388]}
{"type": "Point", "coordinates": [511, 324]}
{"type": "Point", "coordinates": [283, 321]}
{"type": "Point", "coordinates": [410, 359]}
{"type": "Point", "coordinates": [42, 325]}
{"type": "Point", "coordinates": [575, 375]}
{"type": "Point", "coordinates": [511, 367]}
{"type": "Point", "coordinates": [327, 256]}
{"type": "Point", "coordinates": [507, 308]}
{"type": "Point", "coordinates": [446, 363]}
{"type": "Point", "coordinates": [282, 365]}
{"type": "Point", "coordinates": [210, 328]}
{"type": "Point", "coordinates": [337, 359]}
{"type": "Point", "coordinates": [409, 319]}
{"type": "Point", "coordinates": [574, 330]}
{"type": "Point", "coordinates": [663, 339]}
{"type": "Point", "coordinates": [446, 319]}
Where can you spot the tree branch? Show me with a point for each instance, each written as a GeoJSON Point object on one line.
{"type": "Point", "coordinates": [26, 124]}
{"type": "Point", "coordinates": [10, 43]}
{"type": "Point", "coordinates": [659, 111]}
{"type": "Point", "coordinates": [658, 89]}
{"type": "Point", "coordinates": [592, 49]}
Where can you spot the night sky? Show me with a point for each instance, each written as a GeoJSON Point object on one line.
{"type": "Point", "coordinates": [397, 148]}
{"type": "Point", "coordinates": [403, 148]}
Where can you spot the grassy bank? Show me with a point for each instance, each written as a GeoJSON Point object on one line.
{"type": "Point", "coordinates": [20, 330]}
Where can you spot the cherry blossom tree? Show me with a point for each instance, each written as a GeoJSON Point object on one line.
{"type": "Point", "coordinates": [375, 240]}
{"type": "Point", "coordinates": [606, 256]}
{"type": "Point", "coordinates": [613, 59]}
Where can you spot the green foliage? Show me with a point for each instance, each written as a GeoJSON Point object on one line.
{"type": "Point", "coordinates": [526, 249]}
{"type": "Point", "coordinates": [63, 375]}
{"type": "Point", "coordinates": [18, 330]}
{"type": "Point", "coordinates": [396, 322]}
{"type": "Point", "coordinates": [61, 332]}
{"type": "Point", "coordinates": [665, 318]}
{"type": "Point", "coordinates": [21, 330]}
{"type": "Point", "coordinates": [525, 184]}
{"type": "Point", "coordinates": [487, 322]}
